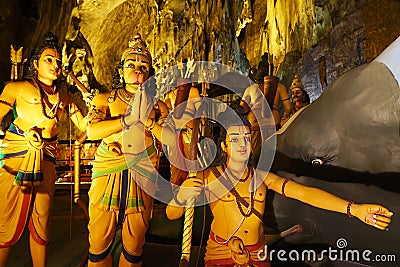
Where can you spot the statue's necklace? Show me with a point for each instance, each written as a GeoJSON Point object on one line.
{"type": "Point", "coordinates": [248, 173]}
{"type": "Point", "coordinates": [124, 96]}
{"type": "Point", "coordinates": [53, 109]}
{"type": "Point", "coordinates": [235, 193]}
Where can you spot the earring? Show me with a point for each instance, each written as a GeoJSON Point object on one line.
{"type": "Point", "coordinates": [121, 79]}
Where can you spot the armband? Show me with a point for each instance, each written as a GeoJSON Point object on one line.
{"type": "Point", "coordinates": [351, 202]}
{"type": "Point", "coordinates": [123, 123]}
{"type": "Point", "coordinates": [5, 103]}
{"type": "Point", "coordinates": [284, 184]}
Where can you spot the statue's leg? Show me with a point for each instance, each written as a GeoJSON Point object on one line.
{"type": "Point", "coordinates": [104, 263]}
{"type": "Point", "coordinates": [123, 262]}
{"type": "Point", "coordinates": [133, 234]}
{"type": "Point", "coordinates": [39, 226]}
{"type": "Point", "coordinates": [4, 253]}
{"type": "Point", "coordinates": [14, 207]}
{"type": "Point", "coordinates": [102, 226]}
{"type": "Point", "coordinates": [38, 253]}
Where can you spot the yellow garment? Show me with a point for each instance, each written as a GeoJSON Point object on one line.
{"type": "Point", "coordinates": [105, 196]}
{"type": "Point", "coordinates": [109, 165]}
{"type": "Point", "coordinates": [31, 169]}
{"type": "Point", "coordinates": [221, 254]}
{"type": "Point", "coordinates": [16, 200]}
{"type": "Point", "coordinates": [102, 225]}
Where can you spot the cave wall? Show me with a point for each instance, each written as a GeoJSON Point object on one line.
{"type": "Point", "coordinates": [321, 39]}
{"type": "Point", "coordinates": [315, 39]}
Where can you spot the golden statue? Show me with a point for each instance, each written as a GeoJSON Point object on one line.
{"type": "Point", "coordinates": [237, 202]}
{"type": "Point", "coordinates": [300, 97]}
{"type": "Point", "coordinates": [126, 119]}
{"type": "Point", "coordinates": [28, 150]}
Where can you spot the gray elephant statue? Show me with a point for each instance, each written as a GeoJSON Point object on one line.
{"type": "Point", "coordinates": [347, 142]}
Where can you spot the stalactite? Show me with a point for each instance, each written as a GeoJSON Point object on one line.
{"type": "Point", "coordinates": [197, 29]}
{"type": "Point", "coordinates": [244, 18]}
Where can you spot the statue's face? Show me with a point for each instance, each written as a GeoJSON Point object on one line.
{"type": "Point", "coordinates": [48, 66]}
{"type": "Point", "coordinates": [136, 69]}
{"type": "Point", "coordinates": [238, 143]}
{"type": "Point", "coordinates": [297, 95]}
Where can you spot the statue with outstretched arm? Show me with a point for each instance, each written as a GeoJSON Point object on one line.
{"type": "Point", "coordinates": [236, 193]}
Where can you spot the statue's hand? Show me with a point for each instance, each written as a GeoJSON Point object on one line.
{"type": "Point", "coordinates": [144, 104]}
{"type": "Point", "coordinates": [374, 215]}
{"type": "Point", "coordinates": [139, 109]}
{"type": "Point", "coordinates": [150, 123]}
{"type": "Point", "coordinates": [189, 189]}
{"type": "Point", "coordinates": [88, 97]}
{"type": "Point", "coordinates": [131, 116]}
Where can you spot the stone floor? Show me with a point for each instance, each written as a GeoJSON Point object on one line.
{"type": "Point", "coordinates": [70, 240]}
{"type": "Point", "coordinates": [69, 236]}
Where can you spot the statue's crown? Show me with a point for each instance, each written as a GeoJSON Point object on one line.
{"type": "Point", "coordinates": [296, 83]}
{"type": "Point", "coordinates": [136, 46]}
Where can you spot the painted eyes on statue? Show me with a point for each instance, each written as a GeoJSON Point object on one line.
{"type": "Point", "coordinates": [132, 66]}
{"type": "Point", "coordinates": [247, 139]}
{"type": "Point", "coordinates": [129, 66]}
{"type": "Point", "coordinates": [51, 60]}
{"type": "Point", "coordinates": [296, 92]}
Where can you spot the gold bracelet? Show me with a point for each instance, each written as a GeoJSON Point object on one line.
{"type": "Point", "coordinates": [351, 202]}
{"type": "Point", "coordinates": [284, 184]}
{"type": "Point", "coordinates": [123, 123]}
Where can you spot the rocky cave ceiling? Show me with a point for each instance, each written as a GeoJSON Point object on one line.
{"type": "Point", "coordinates": [202, 30]}
{"type": "Point", "coordinates": [305, 37]}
